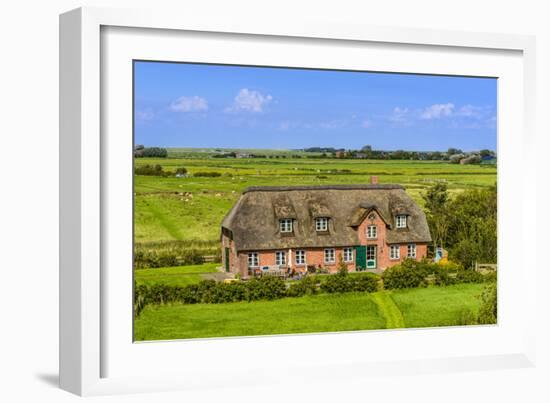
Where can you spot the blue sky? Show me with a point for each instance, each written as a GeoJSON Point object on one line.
{"type": "Point", "coordinates": [193, 105]}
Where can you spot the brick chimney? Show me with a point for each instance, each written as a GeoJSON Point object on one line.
{"type": "Point", "coordinates": [374, 180]}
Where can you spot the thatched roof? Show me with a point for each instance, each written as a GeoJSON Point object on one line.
{"type": "Point", "coordinates": [254, 219]}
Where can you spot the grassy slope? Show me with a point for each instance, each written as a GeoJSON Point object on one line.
{"type": "Point", "coordinates": [165, 210]}
{"type": "Point", "coordinates": [179, 275]}
{"type": "Point", "coordinates": [436, 306]}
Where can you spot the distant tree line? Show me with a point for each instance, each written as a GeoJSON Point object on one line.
{"type": "Point", "coordinates": [141, 151]}
{"type": "Point", "coordinates": [453, 155]}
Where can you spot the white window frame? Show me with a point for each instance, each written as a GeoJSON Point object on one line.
{"type": "Point", "coordinates": [411, 250]}
{"type": "Point", "coordinates": [401, 221]}
{"type": "Point", "coordinates": [328, 252]}
{"type": "Point", "coordinates": [280, 258]}
{"type": "Point", "coordinates": [300, 257]}
{"type": "Point", "coordinates": [285, 225]}
{"type": "Point", "coordinates": [255, 256]}
{"type": "Point", "coordinates": [321, 224]}
{"type": "Point", "coordinates": [372, 227]}
{"type": "Point", "coordinates": [348, 255]}
{"type": "Point", "coordinates": [393, 249]}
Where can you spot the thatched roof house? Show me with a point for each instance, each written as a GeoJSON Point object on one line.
{"type": "Point", "coordinates": [254, 222]}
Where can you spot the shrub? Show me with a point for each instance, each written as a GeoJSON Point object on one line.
{"type": "Point", "coordinates": [154, 152]}
{"type": "Point", "coordinates": [306, 286]}
{"type": "Point", "coordinates": [404, 275]}
{"type": "Point", "coordinates": [469, 276]}
{"type": "Point", "coordinates": [207, 174]}
{"type": "Point", "coordinates": [181, 171]}
{"type": "Point", "coordinates": [171, 255]}
{"type": "Point", "coordinates": [365, 282]}
{"type": "Point", "coordinates": [151, 170]}
{"type": "Point", "coordinates": [344, 282]}
{"type": "Point", "coordinates": [266, 288]}
{"type": "Point", "coordinates": [466, 317]}
{"type": "Point", "coordinates": [488, 309]}
{"type": "Point", "coordinates": [337, 283]}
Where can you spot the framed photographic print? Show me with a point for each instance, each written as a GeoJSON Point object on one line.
{"type": "Point", "coordinates": [236, 199]}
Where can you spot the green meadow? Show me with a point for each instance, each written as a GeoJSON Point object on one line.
{"type": "Point", "coordinates": [420, 307]}
{"type": "Point", "coordinates": [175, 276]}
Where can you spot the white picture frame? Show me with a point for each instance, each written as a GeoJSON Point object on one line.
{"type": "Point", "coordinates": [92, 348]}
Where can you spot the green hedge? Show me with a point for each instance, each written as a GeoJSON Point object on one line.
{"type": "Point", "coordinates": [343, 282]}
{"type": "Point", "coordinates": [412, 274]}
{"type": "Point", "coordinates": [263, 288]}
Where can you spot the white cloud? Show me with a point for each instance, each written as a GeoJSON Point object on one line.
{"type": "Point", "coordinates": [470, 111]}
{"type": "Point", "coordinates": [437, 111]}
{"type": "Point", "coordinates": [144, 115]}
{"type": "Point", "coordinates": [366, 123]}
{"type": "Point", "coordinates": [333, 124]}
{"type": "Point", "coordinates": [249, 101]}
{"type": "Point", "coordinates": [189, 104]}
{"type": "Point", "coordinates": [399, 115]}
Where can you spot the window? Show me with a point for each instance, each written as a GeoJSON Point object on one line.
{"type": "Point", "coordinates": [371, 252]}
{"type": "Point", "coordinates": [330, 256]}
{"type": "Point", "coordinates": [280, 258]}
{"type": "Point", "coordinates": [300, 257]}
{"type": "Point", "coordinates": [372, 231]}
{"type": "Point", "coordinates": [321, 224]}
{"type": "Point", "coordinates": [411, 250]}
{"type": "Point", "coordinates": [253, 260]}
{"type": "Point", "coordinates": [394, 252]}
{"type": "Point", "coordinates": [285, 225]}
{"type": "Point", "coordinates": [348, 255]}
{"type": "Point", "coordinates": [401, 221]}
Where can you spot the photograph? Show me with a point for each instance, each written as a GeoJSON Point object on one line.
{"type": "Point", "coordinates": [274, 200]}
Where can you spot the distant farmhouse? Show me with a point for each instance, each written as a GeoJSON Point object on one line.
{"type": "Point", "coordinates": [301, 228]}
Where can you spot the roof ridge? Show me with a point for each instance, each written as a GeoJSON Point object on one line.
{"type": "Point", "coordinates": [323, 187]}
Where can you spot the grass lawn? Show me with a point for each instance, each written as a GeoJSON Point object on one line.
{"type": "Point", "coordinates": [437, 306]}
{"type": "Point", "coordinates": [424, 307]}
{"type": "Point", "coordinates": [321, 313]}
{"type": "Point", "coordinates": [178, 275]}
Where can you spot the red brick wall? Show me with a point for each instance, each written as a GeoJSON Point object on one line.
{"type": "Point", "coordinates": [233, 264]}
{"type": "Point", "coordinates": [383, 249]}
{"type": "Point", "coordinates": [314, 257]}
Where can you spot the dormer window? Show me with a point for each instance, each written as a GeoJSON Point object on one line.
{"type": "Point", "coordinates": [321, 224]}
{"type": "Point", "coordinates": [401, 221]}
{"type": "Point", "coordinates": [285, 225]}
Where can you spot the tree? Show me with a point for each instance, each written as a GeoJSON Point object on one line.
{"type": "Point", "coordinates": [181, 171]}
{"type": "Point", "coordinates": [435, 200]}
{"type": "Point", "coordinates": [472, 226]}
{"type": "Point", "coordinates": [155, 152]}
{"type": "Point", "coordinates": [366, 149]}
{"type": "Point", "coordinates": [452, 151]}
{"type": "Point", "coordinates": [472, 159]}
{"type": "Point", "coordinates": [455, 158]}
{"type": "Point", "coordinates": [486, 153]}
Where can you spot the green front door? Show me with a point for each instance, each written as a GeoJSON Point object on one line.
{"type": "Point", "coordinates": [361, 257]}
{"type": "Point", "coordinates": [226, 259]}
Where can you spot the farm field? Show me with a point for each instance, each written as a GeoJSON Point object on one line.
{"type": "Point", "coordinates": [175, 276]}
{"type": "Point", "coordinates": [421, 307]}
{"type": "Point", "coordinates": [192, 208]}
